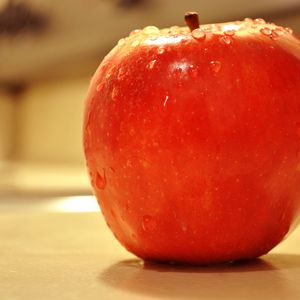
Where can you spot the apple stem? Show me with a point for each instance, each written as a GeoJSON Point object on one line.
{"type": "Point", "coordinates": [191, 20]}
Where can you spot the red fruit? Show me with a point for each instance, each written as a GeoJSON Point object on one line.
{"type": "Point", "coordinates": [192, 140]}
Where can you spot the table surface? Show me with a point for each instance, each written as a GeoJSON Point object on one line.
{"type": "Point", "coordinates": [50, 251]}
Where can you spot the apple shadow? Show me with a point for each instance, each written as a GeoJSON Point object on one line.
{"type": "Point", "coordinates": [270, 277]}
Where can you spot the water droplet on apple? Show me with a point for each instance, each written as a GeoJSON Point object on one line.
{"type": "Point", "coordinates": [151, 64]}
{"type": "Point", "coordinates": [111, 169]}
{"type": "Point", "coordinates": [259, 21]}
{"type": "Point", "coordinates": [108, 224]}
{"type": "Point", "coordinates": [112, 212]}
{"type": "Point", "coordinates": [225, 40]}
{"type": "Point", "coordinates": [133, 235]}
{"type": "Point", "coordinates": [192, 71]}
{"type": "Point", "coordinates": [121, 74]}
{"type": "Point", "coordinates": [198, 34]}
{"type": "Point", "coordinates": [148, 223]}
{"type": "Point", "coordinates": [133, 32]}
{"type": "Point", "coordinates": [121, 42]}
{"type": "Point", "coordinates": [99, 87]}
{"type": "Point", "coordinates": [114, 94]}
{"type": "Point", "coordinates": [211, 27]}
{"type": "Point", "coordinates": [215, 66]}
{"type": "Point", "coordinates": [174, 30]}
{"type": "Point", "coordinates": [135, 43]}
{"type": "Point", "coordinates": [161, 50]}
{"type": "Point", "coordinates": [177, 71]}
{"type": "Point", "coordinates": [153, 37]}
{"type": "Point", "coordinates": [109, 73]}
{"type": "Point", "coordinates": [266, 31]}
{"type": "Point", "coordinates": [229, 32]}
{"type": "Point", "coordinates": [100, 180]}
{"type": "Point", "coordinates": [166, 100]}
{"type": "Point", "coordinates": [184, 41]}
{"type": "Point", "coordinates": [88, 121]}
{"type": "Point", "coordinates": [279, 31]}
{"type": "Point", "coordinates": [150, 30]}
{"type": "Point", "coordinates": [249, 20]}
{"type": "Point", "coordinates": [274, 36]}
{"type": "Point", "coordinates": [288, 30]}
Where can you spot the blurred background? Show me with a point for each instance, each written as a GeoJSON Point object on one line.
{"type": "Point", "coordinates": [48, 53]}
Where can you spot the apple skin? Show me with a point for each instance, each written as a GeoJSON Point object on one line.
{"type": "Point", "coordinates": [193, 143]}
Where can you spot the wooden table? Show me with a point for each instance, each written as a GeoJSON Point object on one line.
{"type": "Point", "coordinates": [48, 251]}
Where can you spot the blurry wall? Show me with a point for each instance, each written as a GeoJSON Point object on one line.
{"type": "Point", "coordinates": [6, 124]}
{"type": "Point", "coordinates": [49, 120]}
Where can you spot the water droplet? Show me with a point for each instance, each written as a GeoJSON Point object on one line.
{"type": "Point", "coordinates": [198, 34]}
{"type": "Point", "coordinates": [112, 212]}
{"type": "Point", "coordinates": [209, 27]}
{"type": "Point", "coordinates": [205, 28]}
{"type": "Point", "coordinates": [135, 43]}
{"type": "Point", "coordinates": [259, 21]}
{"type": "Point", "coordinates": [288, 29]}
{"type": "Point", "coordinates": [177, 71]}
{"type": "Point", "coordinates": [184, 41]}
{"type": "Point", "coordinates": [133, 32]}
{"type": "Point", "coordinates": [166, 100]}
{"type": "Point", "coordinates": [151, 64]}
{"type": "Point", "coordinates": [192, 71]}
{"type": "Point", "coordinates": [148, 223]}
{"type": "Point", "coordinates": [99, 87]}
{"type": "Point", "coordinates": [153, 38]}
{"type": "Point", "coordinates": [279, 31]}
{"type": "Point", "coordinates": [161, 50]}
{"type": "Point", "coordinates": [249, 20]}
{"type": "Point", "coordinates": [229, 32]}
{"type": "Point", "coordinates": [215, 66]}
{"type": "Point", "coordinates": [274, 35]}
{"type": "Point", "coordinates": [109, 73]}
{"type": "Point", "coordinates": [114, 94]}
{"type": "Point", "coordinates": [174, 30]}
{"type": "Point", "coordinates": [121, 73]}
{"type": "Point", "coordinates": [121, 42]}
{"type": "Point", "coordinates": [111, 169]}
{"type": "Point", "coordinates": [100, 180]}
{"type": "Point", "coordinates": [150, 30]}
{"type": "Point", "coordinates": [225, 40]}
{"type": "Point", "coordinates": [266, 31]}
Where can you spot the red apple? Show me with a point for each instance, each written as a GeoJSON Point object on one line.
{"type": "Point", "coordinates": [192, 140]}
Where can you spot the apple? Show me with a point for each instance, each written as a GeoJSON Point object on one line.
{"type": "Point", "coordinates": [192, 140]}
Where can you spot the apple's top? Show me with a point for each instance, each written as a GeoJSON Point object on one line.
{"type": "Point", "coordinates": [226, 32]}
